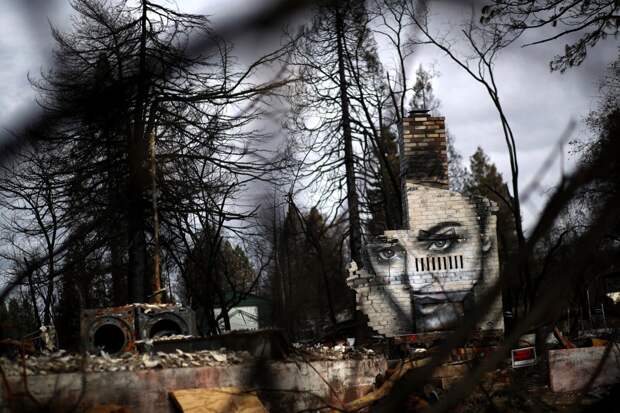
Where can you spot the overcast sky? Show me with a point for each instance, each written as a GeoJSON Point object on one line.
{"type": "Point", "coordinates": [538, 103]}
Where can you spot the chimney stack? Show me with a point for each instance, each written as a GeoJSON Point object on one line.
{"type": "Point", "coordinates": [424, 157]}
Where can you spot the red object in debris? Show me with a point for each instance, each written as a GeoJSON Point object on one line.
{"type": "Point", "coordinates": [523, 357]}
{"type": "Point", "coordinates": [524, 354]}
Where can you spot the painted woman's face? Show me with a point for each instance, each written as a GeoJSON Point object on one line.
{"type": "Point", "coordinates": [439, 246]}
{"type": "Point", "coordinates": [439, 257]}
{"type": "Point", "coordinates": [387, 258]}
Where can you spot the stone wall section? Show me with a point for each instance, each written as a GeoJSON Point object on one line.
{"type": "Point", "coordinates": [386, 304]}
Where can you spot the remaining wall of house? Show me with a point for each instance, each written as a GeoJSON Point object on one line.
{"type": "Point", "coordinates": [282, 386]}
{"type": "Point", "coordinates": [427, 276]}
{"type": "Point", "coordinates": [572, 369]}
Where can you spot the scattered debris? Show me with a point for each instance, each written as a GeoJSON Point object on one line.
{"type": "Point", "coordinates": [264, 343]}
{"type": "Point", "coordinates": [171, 337]}
{"type": "Point", "coordinates": [62, 362]}
{"type": "Point", "coordinates": [337, 352]}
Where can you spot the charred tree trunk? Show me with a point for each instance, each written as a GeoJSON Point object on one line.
{"type": "Point", "coordinates": [328, 289]}
{"type": "Point", "coordinates": [139, 284]}
{"type": "Point", "coordinates": [136, 218]}
{"type": "Point", "coordinates": [116, 236]}
{"type": "Point", "coordinates": [49, 296]}
{"type": "Point", "coordinates": [355, 232]}
{"type": "Point", "coordinates": [119, 285]}
{"type": "Point", "coordinates": [156, 257]}
{"type": "Point", "coordinates": [31, 291]}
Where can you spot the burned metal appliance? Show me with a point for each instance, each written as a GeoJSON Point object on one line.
{"type": "Point", "coordinates": [116, 329]}
{"type": "Point", "coordinates": [112, 329]}
{"type": "Point", "coordinates": [156, 321]}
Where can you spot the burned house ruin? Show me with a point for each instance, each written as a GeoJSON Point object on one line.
{"type": "Point", "coordinates": [429, 275]}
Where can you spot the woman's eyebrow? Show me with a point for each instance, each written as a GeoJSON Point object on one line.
{"type": "Point", "coordinates": [424, 234]}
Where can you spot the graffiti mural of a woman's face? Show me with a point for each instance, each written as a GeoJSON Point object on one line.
{"type": "Point", "coordinates": [441, 257]}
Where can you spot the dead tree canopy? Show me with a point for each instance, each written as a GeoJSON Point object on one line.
{"type": "Point", "coordinates": [593, 21]}
{"type": "Point", "coordinates": [145, 127]}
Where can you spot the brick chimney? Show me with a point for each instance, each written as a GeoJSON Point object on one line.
{"type": "Point", "coordinates": [424, 157]}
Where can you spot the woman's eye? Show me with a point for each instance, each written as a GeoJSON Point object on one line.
{"type": "Point", "coordinates": [387, 254]}
{"type": "Point", "coordinates": [439, 245]}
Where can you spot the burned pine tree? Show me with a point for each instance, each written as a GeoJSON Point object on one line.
{"type": "Point", "coordinates": [324, 118]}
{"type": "Point", "coordinates": [125, 69]}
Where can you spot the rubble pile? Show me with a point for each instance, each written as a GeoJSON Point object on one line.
{"type": "Point", "coordinates": [151, 307]}
{"type": "Point", "coordinates": [170, 337]}
{"type": "Point", "coordinates": [338, 352]}
{"type": "Point", "coordinates": [63, 362]}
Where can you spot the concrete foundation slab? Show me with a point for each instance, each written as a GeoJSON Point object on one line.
{"type": "Point", "coordinates": [572, 369]}
{"type": "Point", "coordinates": [282, 386]}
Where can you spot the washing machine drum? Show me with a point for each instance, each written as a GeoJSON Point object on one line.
{"type": "Point", "coordinates": [111, 334]}
{"type": "Point", "coordinates": [164, 324]}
